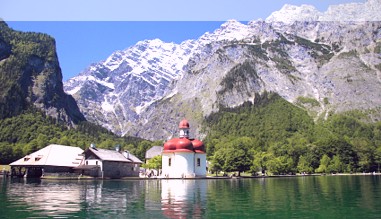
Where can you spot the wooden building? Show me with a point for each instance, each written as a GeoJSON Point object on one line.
{"type": "Point", "coordinates": [105, 163]}
{"type": "Point", "coordinates": [50, 159]}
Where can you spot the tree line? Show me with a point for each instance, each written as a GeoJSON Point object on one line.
{"type": "Point", "coordinates": [275, 137]}
{"type": "Point", "coordinates": [30, 131]}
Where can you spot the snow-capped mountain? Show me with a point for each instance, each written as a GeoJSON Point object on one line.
{"type": "Point", "coordinates": [368, 11]}
{"type": "Point", "coordinates": [115, 91]}
{"type": "Point", "coordinates": [296, 52]}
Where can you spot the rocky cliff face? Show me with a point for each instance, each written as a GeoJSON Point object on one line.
{"type": "Point", "coordinates": [31, 77]}
{"type": "Point", "coordinates": [322, 65]}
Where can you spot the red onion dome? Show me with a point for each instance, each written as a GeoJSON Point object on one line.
{"type": "Point", "coordinates": [184, 124]}
{"type": "Point", "coordinates": [198, 145]}
{"type": "Point", "coordinates": [178, 144]}
{"type": "Point", "coordinates": [169, 145]}
{"type": "Point", "coordinates": [183, 144]}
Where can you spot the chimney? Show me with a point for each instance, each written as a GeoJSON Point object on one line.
{"type": "Point", "coordinates": [126, 154]}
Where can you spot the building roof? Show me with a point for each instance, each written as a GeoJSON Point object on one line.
{"type": "Point", "coordinates": [184, 145]}
{"type": "Point", "coordinates": [133, 158]}
{"type": "Point", "coordinates": [154, 151]}
{"type": "Point", "coordinates": [52, 155]}
{"type": "Point", "coordinates": [178, 144]}
{"type": "Point", "coordinates": [113, 155]}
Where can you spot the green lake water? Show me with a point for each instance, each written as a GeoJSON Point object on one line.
{"type": "Point", "coordinates": [284, 197]}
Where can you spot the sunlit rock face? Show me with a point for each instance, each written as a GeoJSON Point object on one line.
{"type": "Point", "coordinates": [297, 52]}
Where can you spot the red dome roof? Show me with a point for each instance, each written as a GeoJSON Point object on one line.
{"type": "Point", "coordinates": [169, 145]}
{"type": "Point", "coordinates": [184, 124]}
{"type": "Point", "coordinates": [184, 144]}
{"type": "Point", "coordinates": [178, 144]}
{"type": "Point", "coordinates": [198, 146]}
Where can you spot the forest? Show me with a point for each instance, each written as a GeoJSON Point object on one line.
{"type": "Point", "coordinates": [273, 136]}
{"type": "Point", "coordinates": [33, 130]}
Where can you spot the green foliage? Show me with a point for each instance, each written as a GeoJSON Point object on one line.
{"type": "Point", "coordinates": [22, 60]}
{"type": "Point", "coordinates": [281, 138]}
{"type": "Point", "coordinates": [324, 163]}
{"type": "Point", "coordinates": [304, 166]}
{"type": "Point", "coordinates": [305, 100]}
{"type": "Point", "coordinates": [326, 101]}
{"type": "Point", "coordinates": [270, 119]}
{"type": "Point", "coordinates": [32, 131]}
{"type": "Point", "coordinates": [154, 163]}
{"type": "Point", "coordinates": [323, 53]}
{"type": "Point", "coordinates": [238, 76]}
{"type": "Point", "coordinates": [238, 157]}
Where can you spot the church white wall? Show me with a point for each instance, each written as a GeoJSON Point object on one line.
{"type": "Point", "coordinates": [166, 169]}
{"type": "Point", "coordinates": [182, 165]}
{"type": "Point", "coordinates": [200, 171]}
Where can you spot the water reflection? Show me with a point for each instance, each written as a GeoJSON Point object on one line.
{"type": "Point", "coordinates": [33, 195]}
{"type": "Point", "coordinates": [183, 198]}
{"type": "Point", "coordinates": [302, 197]}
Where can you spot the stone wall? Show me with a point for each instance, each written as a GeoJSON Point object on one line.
{"type": "Point", "coordinates": [112, 169]}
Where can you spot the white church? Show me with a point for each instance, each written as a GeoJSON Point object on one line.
{"type": "Point", "coordinates": [183, 157]}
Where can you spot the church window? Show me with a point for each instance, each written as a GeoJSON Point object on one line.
{"type": "Point", "coordinates": [169, 162]}
{"type": "Point", "coordinates": [198, 162]}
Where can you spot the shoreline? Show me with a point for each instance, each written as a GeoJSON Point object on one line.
{"type": "Point", "coordinates": [210, 177]}
{"type": "Point", "coordinates": [86, 178]}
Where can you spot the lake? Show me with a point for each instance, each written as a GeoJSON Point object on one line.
{"type": "Point", "coordinates": [282, 197]}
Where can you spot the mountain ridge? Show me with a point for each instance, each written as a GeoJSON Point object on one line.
{"type": "Point", "coordinates": [31, 77]}
{"type": "Point", "coordinates": [301, 59]}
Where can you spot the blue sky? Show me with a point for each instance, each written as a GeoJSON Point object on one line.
{"type": "Point", "coordinates": [88, 31]}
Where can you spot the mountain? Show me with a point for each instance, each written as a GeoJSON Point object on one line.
{"type": "Point", "coordinates": [31, 77]}
{"type": "Point", "coordinates": [324, 62]}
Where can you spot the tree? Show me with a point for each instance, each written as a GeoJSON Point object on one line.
{"type": "Point", "coordinates": [324, 163]}
{"type": "Point", "coordinates": [238, 155]}
{"type": "Point", "coordinates": [234, 155]}
{"type": "Point", "coordinates": [274, 165]}
{"type": "Point", "coordinates": [259, 161]}
{"type": "Point", "coordinates": [154, 163]}
{"type": "Point", "coordinates": [365, 151]}
{"type": "Point", "coordinates": [6, 153]}
{"type": "Point", "coordinates": [335, 165]}
{"type": "Point", "coordinates": [143, 146]}
{"type": "Point", "coordinates": [304, 166]}
{"type": "Point", "coordinates": [377, 157]}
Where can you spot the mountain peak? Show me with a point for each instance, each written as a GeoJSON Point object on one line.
{"type": "Point", "coordinates": [291, 13]}
{"type": "Point", "coordinates": [368, 11]}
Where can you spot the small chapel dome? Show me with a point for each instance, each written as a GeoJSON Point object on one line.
{"type": "Point", "coordinates": [184, 124]}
